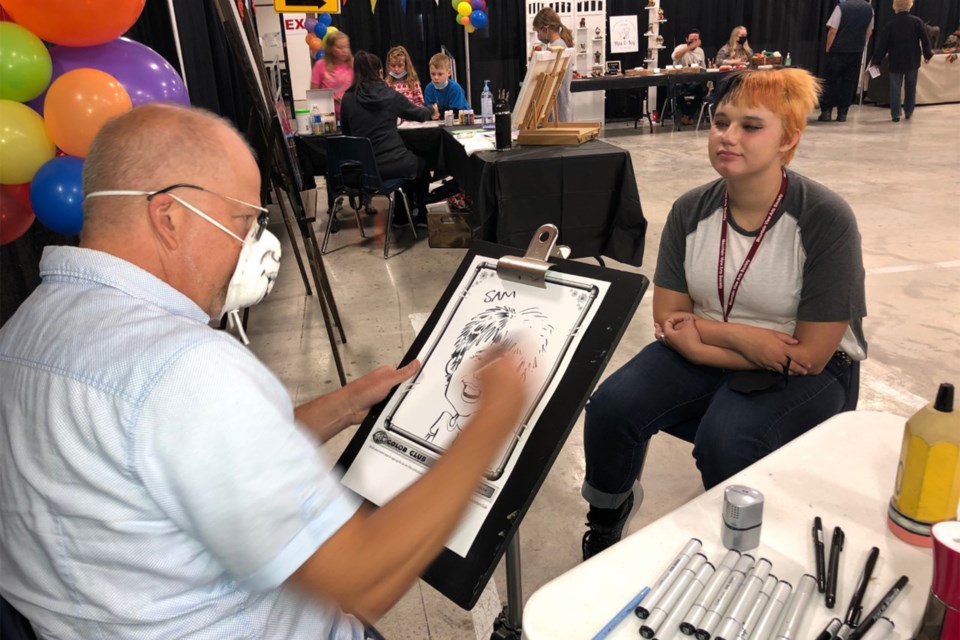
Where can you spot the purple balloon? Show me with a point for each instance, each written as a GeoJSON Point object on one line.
{"type": "Point", "coordinates": [143, 72]}
{"type": "Point", "coordinates": [310, 23]}
{"type": "Point", "coordinates": [477, 4]}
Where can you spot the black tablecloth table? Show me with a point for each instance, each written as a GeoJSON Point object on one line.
{"type": "Point", "coordinates": [588, 191]}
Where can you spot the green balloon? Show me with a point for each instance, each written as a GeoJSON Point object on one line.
{"type": "Point", "coordinates": [25, 66]}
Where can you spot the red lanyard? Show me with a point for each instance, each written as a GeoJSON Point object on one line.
{"type": "Point", "coordinates": [727, 306]}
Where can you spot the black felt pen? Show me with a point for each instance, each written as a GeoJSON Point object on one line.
{"type": "Point", "coordinates": [818, 554]}
{"type": "Point", "coordinates": [878, 610]}
{"type": "Point", "coordinates": [836, 546]}
{"type": "Point", "coordinates": [856, 606]}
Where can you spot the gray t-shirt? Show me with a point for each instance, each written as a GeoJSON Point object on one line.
{"type": "Point", "coordinates": [690, 58]}
{"type": "Point", "coordinates": [808, 267]}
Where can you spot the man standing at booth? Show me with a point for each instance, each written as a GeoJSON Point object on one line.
{"type": "Point", "coordinates": [848, 31]}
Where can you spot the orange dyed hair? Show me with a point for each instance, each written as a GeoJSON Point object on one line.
{"type": "Point", "coordinates": [790, 93]}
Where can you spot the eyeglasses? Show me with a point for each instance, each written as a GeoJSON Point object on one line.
{"type": "Point", "coordinates": [253, 235]}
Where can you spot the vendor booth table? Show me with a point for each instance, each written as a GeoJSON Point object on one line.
{"type": "Point", "coordinates": [937, 82]}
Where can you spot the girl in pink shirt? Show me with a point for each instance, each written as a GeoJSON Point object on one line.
{"type": "Point", "coordinates": [335, 69]}
{"type": "Point", "coordinates": [402, 77]}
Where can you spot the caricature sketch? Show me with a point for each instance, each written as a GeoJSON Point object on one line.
{"type": "Point", "coordinates": [425, 416]}
{"type": "Point", "coordinates": [516, 331]}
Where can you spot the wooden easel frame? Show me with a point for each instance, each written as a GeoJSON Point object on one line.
{"type": "Point", "coordinates": [546, 87]}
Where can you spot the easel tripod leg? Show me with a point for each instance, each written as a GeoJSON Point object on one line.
{"type": "Point", "coordinates": [509, 625]}
{"type": "Point", "coordinates": [288, 223]}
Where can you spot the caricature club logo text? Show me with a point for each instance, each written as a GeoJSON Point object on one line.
{"type": "Point", "coordinates": [381, 438]}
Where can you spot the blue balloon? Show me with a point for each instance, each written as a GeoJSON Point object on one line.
{"type": "Point", "coordinates": [478, 19]}
{"type": "Point", "coordinates": [325, 19]}
{"type": "Point", "coordinates": [56, 195]}
{"type": "Point", "coordinates": [318, 54]}
{"type": "Point", "coordinates": [320, 30]}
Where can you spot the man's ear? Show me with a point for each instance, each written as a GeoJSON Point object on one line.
{"type": "Point", "coordinates": [164, 221]}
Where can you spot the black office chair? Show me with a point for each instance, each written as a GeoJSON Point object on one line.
{"type": "Point", "coordinates": [352, 172]}
{"type": "Point", "coordinates": [13, 626]}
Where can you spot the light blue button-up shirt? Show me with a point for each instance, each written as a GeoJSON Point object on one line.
{"type": "Point", "coordinates": [153, 482]}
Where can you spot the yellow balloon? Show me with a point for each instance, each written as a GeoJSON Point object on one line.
{"type": "Point", "coordinates": [330, 29]}
{"type": "Point", "coordinates": [471, 28]}
{"type": "Point", "coordinates": [24, 143]}
{"type": "Point", "coordinates": [464, 8]}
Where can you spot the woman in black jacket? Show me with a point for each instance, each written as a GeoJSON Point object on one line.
{"type": "Point", "coordinates": [370, 109]}
{"type": "Point", "coordinates": [903, 38]}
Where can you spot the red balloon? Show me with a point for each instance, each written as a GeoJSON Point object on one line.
{"type": "Point", "coordinates": [4, 16]}
{"type": "Point", "coordinates": [15, 219]}
{"type": "Point", "coordinates": [20, 193]}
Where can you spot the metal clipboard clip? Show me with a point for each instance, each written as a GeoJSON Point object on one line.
{"type": "Point", "coordinates": [533, 266]}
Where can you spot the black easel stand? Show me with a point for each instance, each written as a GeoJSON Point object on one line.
{"type": "Point", "coordinates": [277, 165]}
{"type": "Point", "coordinates": [509, 624]}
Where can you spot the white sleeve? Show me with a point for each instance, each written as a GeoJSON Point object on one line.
{"type": "Point", "coordinates": [834, 21]}
{"type": "Point", "coordinates": [219, 451]}
{"type": "Point", "coordinates": [676, 52]}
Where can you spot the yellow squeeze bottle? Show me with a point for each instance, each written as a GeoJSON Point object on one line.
{"type": "Point", "coordinates": [927, 487]}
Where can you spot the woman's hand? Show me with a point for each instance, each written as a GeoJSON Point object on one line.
{"type": "Point", "coordinates": [771, 350]}
{"type": "Point", "coordinates": [679, 332]}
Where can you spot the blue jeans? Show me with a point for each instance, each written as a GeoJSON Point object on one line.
{"type": "Point", "coordinates": [661, 390]}
{"type": "Point", "coordinates": [909, 90]}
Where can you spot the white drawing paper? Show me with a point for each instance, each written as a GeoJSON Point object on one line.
{"type": "Point", "coordinates": [624, 35]}
{"type": "Point", "coordinates": [543, 326]}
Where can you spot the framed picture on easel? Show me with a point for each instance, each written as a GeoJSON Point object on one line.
{"type": "Point", "coordinates": [544, 76]}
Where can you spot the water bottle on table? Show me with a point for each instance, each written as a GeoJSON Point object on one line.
{"type": "Point", "coordinates": [486, 106]}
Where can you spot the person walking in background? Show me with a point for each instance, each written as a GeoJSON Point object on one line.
{"type": "Point", "coordinates": [553, 33]}
{"type": "Point", "coordinates": [402, 76]}
{"type": "Point", "coordinates": [335, 69]}
{"type": "Point", "coordinates": [848, 31]}
{"type": "Point", "coordinates": [737, 50]}
{"type": "Point", "coordinates": [903, 39]}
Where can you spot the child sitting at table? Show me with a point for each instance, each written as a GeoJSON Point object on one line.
{"type": "Point", "coordinates": [402, 77]}
{"type": "Point", "coordinates": [442, 91]}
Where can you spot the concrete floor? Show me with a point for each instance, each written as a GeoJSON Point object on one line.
{"type": "Point", "coordinates": [903, 184]}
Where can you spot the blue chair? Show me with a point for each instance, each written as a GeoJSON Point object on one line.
{"type": "Point", "coordinates": [352, 172]}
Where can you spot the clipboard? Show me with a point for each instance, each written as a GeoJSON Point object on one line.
{"type": "Point", "coordinates": [462, 577]}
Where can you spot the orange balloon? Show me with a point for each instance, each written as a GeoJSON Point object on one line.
{"type": "Point", "coordinates": [75, 23]}
{"type": "Point", "coordinates": [78, 103]}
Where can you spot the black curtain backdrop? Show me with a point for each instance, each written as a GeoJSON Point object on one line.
{"type": "Point", "coordinates": [497, 53]}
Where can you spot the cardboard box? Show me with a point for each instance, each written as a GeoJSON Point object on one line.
{"type": "Point", "coordinates": [448, 229]}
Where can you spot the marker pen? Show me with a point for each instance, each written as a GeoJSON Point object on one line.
{"type": "Point", "coordinates": [875, 613]}
{"type": "Point", "coordinates": [830, 630]}
{"type": "Point", "coordinates": [710, 591]}
{"type": "Point", "coordinates": [726, 596]}
{"type": "Point", "coordinates": [843, 632]}
{"type": "Point", "coordinates": [881, 630]}
{"type": "Point", "coordinates": [623, 613]}
{"type": "Point", "coordinates": [771, 615]}
{"type": "Point", "coordinates": [671, 625]}
{"type": "Point", "coordinates": [793, 616]}
{"type": "Point", "coordinates": [661, 586]}
{"type": "Point", "coordinates": [670, 598]}
{"type": "Point", "coordinates": [758, 606]}
{"type": "Point", "coordinates": [736, 615]}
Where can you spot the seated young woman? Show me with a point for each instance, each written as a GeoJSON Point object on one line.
{"type": "Point", "coordinates": [370, 110]}
{"type": "Point", "coordinates": [757, 310]}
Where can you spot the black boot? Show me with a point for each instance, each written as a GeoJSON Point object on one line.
{"type": "Point", "coordinates": [841, 115]}
{"type": "Point", "coordinates": [826, 115]}
{"type": "Point", "coordinates": [605, 526]}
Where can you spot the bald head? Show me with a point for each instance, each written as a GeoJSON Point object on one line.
{"type": "Point", "coordinates": [149, 148]}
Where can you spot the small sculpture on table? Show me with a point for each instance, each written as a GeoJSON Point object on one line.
{"type": "Point", "coordinates": [659, 41]}
{"type": "Point", "coordinates": [651, 3]}
{"type": "Point", "coordinates": [649, 30]}
{"type": "Point", "coordinates": [583, 23]}
{"type": "Point", "coordinates": [660, 15]}
{"type": "Point", "coordinates": [597, 32]}
{"type": "Point", "coordinates": [583, 48]}
{"type": "Point", "coordinates": [596, 57]}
